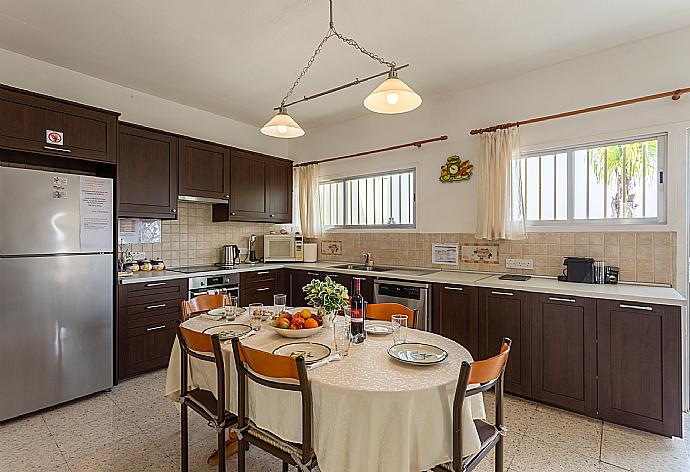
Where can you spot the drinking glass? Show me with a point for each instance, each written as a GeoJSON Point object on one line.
{"type": "Point", "coordinates": [279, 302]}
{"type": "Point", "coordinates": [255, 314]}
{"type": "Point", "coordinates": [341, 336]}
{"type": "Point", "coordinates": [230, 307]}
{"type": "Point", "coordinates": [399, 325]}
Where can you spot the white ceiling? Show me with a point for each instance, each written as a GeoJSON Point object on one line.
{"type": "Point", "coordinates": [237, 58]}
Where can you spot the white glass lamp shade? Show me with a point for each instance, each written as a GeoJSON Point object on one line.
{"type": "Point", "coordinates": [392, 96]}
{"type": "Point", "coordinates": [282, 126]}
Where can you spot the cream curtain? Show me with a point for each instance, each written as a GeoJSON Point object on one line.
{"type": "Point", "coordinates": [500, 211]}
{"type": "Point", "coordinates": [308, 201]}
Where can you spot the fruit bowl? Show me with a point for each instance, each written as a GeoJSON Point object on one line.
{"type": "Point", "coordinates": [297, 333]}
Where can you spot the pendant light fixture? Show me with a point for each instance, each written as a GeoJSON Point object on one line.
{"type": "Point", "coordinates": [391, 96]}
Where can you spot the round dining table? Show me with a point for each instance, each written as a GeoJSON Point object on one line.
{"type": "Point", "coordinates": [371, 412]}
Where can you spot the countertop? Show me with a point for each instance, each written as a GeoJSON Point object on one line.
{"type": "Point", "coordinates": [622, 291]}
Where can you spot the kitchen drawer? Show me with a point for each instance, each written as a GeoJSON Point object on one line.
{"type": "Point", "coordinates": [153, 291]}
{"type": "Point", "coordinates": [147, 348]}
{"type": "Point", "coordinates": [139, 315]}
{"type": "Point", "coordinates": [258, 277]}
{"type": "Point", "coordinates": [258, 294]}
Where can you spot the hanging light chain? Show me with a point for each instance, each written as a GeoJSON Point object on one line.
{"type": "Point", "coordinates": [355, 45]}
{"type": "Point", "coordinates": [306, 68]}
{"type": "Point", "coordinates": [349, 41]}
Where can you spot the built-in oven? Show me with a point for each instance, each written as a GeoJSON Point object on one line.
{"type": "Point", "coordinates": [227, 283]}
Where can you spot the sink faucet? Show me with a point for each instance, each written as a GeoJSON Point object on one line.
{"type": "Point", "coordinates": [367, 259]}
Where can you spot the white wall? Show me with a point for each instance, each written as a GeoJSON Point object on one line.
{"type": "Point", "coordinates": [136, 107]}
{"type": "Point", "coordinates": [641, 68]}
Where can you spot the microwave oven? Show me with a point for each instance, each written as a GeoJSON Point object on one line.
{"type": "Point", "coordinates": [283, 248]}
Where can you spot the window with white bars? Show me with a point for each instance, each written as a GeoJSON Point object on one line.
{"type": "Point", "coordinates": [611, 182]}
{"type": "Point", "coordinates": [374, 200]}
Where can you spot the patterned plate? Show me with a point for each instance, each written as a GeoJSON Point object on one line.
{"type": "Point", "coordinates": [312, 352]}
{"type": "Point", "coordinates": [229, 330]}
{"type": "Point", "coordinates": [417, 353]}
{"type": "Point", "coordinates": [378, 327]}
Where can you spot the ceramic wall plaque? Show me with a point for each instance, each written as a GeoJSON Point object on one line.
{"type": "Point", "coordinates": [455, 170]}
{"type": "Point", "coordinates": [485, 254]}
{"type": "Point", "coordinates": [332, 248]}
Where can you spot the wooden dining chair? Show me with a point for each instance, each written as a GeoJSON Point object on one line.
{"type": "Point", "coordinates": [486, 374]}
{"type": "Point", "coordinates": [384, 312]}
{"type": "Point", "coordinates": [200, 304]}
{"type": "Point", "coordinates": [264, 368]}
{"type": "Point", "coordinates": [211, 407]}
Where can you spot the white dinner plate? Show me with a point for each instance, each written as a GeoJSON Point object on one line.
{"type": "Point", "coordinates": [312, 352]}
{"type": "Point", "coordinates": [218, 313]}
{"type": "Point", "coordinates": [417, 353]}
{"type": "Point", "coordinates": [378, 327]}
{"type": "Point", "coordinates": [229, 330]}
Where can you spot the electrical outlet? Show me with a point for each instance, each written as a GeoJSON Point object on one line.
{"type": "Point", "coordinates": [519, 263]}
{"type": "Point", "coordinates": [137, 256]}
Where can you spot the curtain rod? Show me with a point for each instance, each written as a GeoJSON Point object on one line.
{"type": "Point", "coordinates": [374, 151]}
{"type": "Point", "coordinates": [675, 95]}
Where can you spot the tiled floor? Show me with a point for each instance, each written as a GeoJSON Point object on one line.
{"type": "Point", "coordinates": [133, 428]}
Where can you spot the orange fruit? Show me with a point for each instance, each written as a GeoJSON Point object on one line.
{"type": "Point", "coordinates": [311, 323]}
{"type": "Point", "coordinates": [306, 314]}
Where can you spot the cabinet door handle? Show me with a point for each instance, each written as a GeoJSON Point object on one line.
{"type": "Point", "coordinates": [333, 276]}
{"type": "Point", "coordinates": [151, 307]}
{"type": "Point", "coordinates": [556, 299]}
{"type": "Point", "coordinates": [313, 273]}
{"type": "Point", "coordinates": [459, 289]}
{"type": "Point", "coordinates": [174, 210]}
{"type": "Point", "coordinates": [263, 289]}
{"type": "Point", "coordinates": [263, 272]}
{"type": "Point", "coordinates": [157, 284]}
{"type": "Point", "coordinates": [155, 328]}
{"type": "Point", "coordinates": [510, 294]}
{"type": "Point", "coordinates": [273, 216]}
{"type": "Point", "coordinates": [227, 196]}
{"type": "Point", "coordinates": [636, 307]}
{"type": "Point", "coordinates": [232, 214]}
{"type": "Point", "coordinates": [51, 148]}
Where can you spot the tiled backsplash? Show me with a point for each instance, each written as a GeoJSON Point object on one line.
{"type": "Point", "coordinates": [642, 257]}
{"type": "Point", "coordinates": [193, 239]}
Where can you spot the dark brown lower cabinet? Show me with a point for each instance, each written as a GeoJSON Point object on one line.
{"type": "Point", "coordinates": [639, 365]}
{"type": "Point", "coordinates": [506, 313]}
{"type": "Point", "coordinates": [261, 286]}
{"type": "Point", "coordinates": [146, 317]}
{"type": "Point", "coordinates": [564, 352]}
{"type": "Point", "coordinates": [454, 315]}
{"type": "Point", "coordinates": [296, 279]}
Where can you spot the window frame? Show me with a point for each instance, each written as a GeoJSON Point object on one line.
{"type": "Point", "coordinates": [662, 158]}
{"type": "Point", "coordinates": [346, 207]}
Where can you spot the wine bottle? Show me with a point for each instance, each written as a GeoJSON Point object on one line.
{"type": "Point", "coordinates": [357, 313]}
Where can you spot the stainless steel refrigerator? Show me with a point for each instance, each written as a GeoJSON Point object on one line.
{"type": "Point", "coordinates": [56, 288]}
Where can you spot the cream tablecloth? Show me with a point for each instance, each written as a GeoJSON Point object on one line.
{"type": "Point", "coordinates": [371, 413]}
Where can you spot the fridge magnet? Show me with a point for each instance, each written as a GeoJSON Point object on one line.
{"type": "Point", "coordinates": [455, 170]}
{"type": "Point", "coordinates": [332, 248]}
{"type": "Point", "coordinates": [480, 254]}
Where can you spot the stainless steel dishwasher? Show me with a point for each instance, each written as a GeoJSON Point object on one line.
{"type": "Point", "coordinates": [411, 294]}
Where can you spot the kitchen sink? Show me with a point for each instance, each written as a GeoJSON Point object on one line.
{"type": "Point", "coordinates": [363, 267]}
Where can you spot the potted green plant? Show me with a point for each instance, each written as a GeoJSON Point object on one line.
{"type": "Point", "coordinates": [327, 295]}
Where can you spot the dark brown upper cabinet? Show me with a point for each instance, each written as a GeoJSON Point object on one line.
{"type": "Point", "coordinates": [455, 316]}
{"type": "Point", "coordinates": [147, 173]}
{"type": "Point", "coordinates": [27, 118]}
{"type": "Point", "coordinates": [260, 189]}
{"type": "Point", "coordinates": [204, 170]}
{"type": "Point", "coordinates": [639, 365]}
{"type": "Point", "coordinates": [279, 188]}
{"type": "Point", "coordinates": [506, 314]}
{"type": "Point", "coordinates": [564, 352]}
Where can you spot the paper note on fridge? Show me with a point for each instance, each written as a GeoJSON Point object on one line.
{"type": "Point", "coordinates": [96, 214]}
